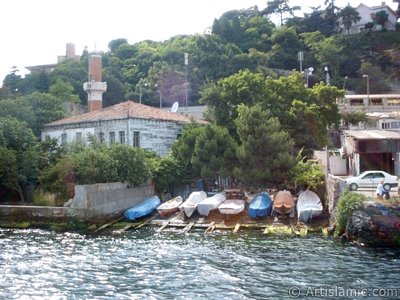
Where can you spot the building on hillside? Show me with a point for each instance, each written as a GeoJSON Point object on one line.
{"type": "Point", "coordinates": [128, 123]}
{"type": "Point", "coordinates": [370, 103]}
{"type": "Point", "coordinates": [196, 112]}
{"type": "Point", "coordinates": [367, 13]}
{"type": "Point", "coordinates": [125, 123]}
{"type": "Point", "coordinates": [372, 150]}
{"type": "Point", "coordinates": [382, 110]}
{"type": "Point", "coordinates": [48, 68]}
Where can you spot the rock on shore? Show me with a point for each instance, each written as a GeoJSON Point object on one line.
{"type": "Point", "coordinates": [375, 225]}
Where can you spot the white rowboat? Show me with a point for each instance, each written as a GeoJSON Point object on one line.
{"type": "Point", "coordinates": [210, 203]}
{"type": "Point", "coordinates": [189, 206]}
{"type": "Point", "coordinates": [308, 206]}
{"type": "Point", "coordinates": [231, 207]}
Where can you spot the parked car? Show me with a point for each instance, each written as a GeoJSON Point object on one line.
{"type": "Point", "coordinates": [371, 179]}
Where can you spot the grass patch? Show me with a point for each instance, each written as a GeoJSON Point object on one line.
{"type": "Point", "coordinates": [41, 198]}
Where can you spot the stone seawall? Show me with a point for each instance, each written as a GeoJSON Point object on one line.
{"type": "Point", "coordinates": [95, 203]}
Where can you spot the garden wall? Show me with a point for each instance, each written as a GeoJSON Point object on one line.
{"type": "Point", "coordinates": [92, 203]}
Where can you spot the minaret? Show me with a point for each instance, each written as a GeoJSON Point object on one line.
{"type": "Point", "coordinates": [95, 87]}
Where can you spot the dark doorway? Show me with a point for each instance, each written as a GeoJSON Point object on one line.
{"type": "Point", "coordinates": [377, 161]}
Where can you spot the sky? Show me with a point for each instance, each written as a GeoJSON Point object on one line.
{"type": "Point", "coordinates": [35, 32]}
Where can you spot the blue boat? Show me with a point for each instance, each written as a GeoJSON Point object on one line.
{"type": "Point", "coordinates": [260, 206]}
{"type": "Point", "coordinates": [142, 209]}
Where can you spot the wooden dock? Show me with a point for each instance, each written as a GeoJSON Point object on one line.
{"type": "Point", "coordinates": [217, 222]}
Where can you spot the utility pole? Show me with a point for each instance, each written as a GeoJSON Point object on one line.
{"type": "Point", "coordinates": [186, 78]}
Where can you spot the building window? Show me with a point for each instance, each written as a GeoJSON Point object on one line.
{"type": "Point", "coordinates": [78, 136]}
{"type": "Point", "coordinates": [101, 137]}
{"type": "Point", "coordinates": [112, 138]}
{"type": "Point", "coordinates": [64, 139]}
{"type": "Point", "coordinates": [136, 139]}
{"type": "Point", "coordinates": [122, 137]}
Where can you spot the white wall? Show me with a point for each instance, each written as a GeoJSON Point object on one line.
{"type": "Point", "coordinates": [155, 135]}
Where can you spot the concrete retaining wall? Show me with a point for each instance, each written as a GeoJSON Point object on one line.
{"type": "Point", "coordinates": [334, 189]}
{"type": "Point", "coordinates": [92, 203]}
{"type": "Point", "coordinates": [108, 199]}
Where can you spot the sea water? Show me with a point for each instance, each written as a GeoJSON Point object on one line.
{"type": "Point", "coordinates": [144, 264]}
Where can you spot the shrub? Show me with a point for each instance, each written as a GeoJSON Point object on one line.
{"type": "Point", "coordinates": [348, 202]}
{"type": "Point", "coordinates": [41, 198]}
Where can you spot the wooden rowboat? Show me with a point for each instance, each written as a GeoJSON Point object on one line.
{"type": "Point", "coordinates": [168, 208]}
{"type": "Point", "coordinates": [234, 204]}
{"type": "Point", "coordinates": [283, 202]}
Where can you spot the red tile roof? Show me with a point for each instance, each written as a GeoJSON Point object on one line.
{"type": "Point", "coordinates": [123, 110]}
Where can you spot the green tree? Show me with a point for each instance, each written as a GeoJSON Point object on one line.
{"type": "Point", "coordinates": [21, 157]}
{"type": "Point", "coordinates": [168, 174]}
{"type": "Point", "coordinates": [347, 203]}
{"type": "Point", "coordinates": [327, 51]}
{"type": "Point", "coordinates": [130, 163]}
{"type": "Point", "coordinates": [265, 150]}
{"type": "Point", "coordinates": [330, 16]}
{"type": "Point", "coordinates": [214, 153]}
{"type": "Point", "coordinates": [13, 82]}
{"type": "Point", "coordinates": [46, 108]}
{"type": "Point", "coordinates": [308, 174]}
{"type": "Point", "coordinates": [73, 72]}
{"type": "Point", "coordinates": [279, 7]}
{"type": "Point", "coordinates": [380, 18]}
{"type": "Point", "coordinates": [223, 98]}
{"type": "Point", "coordinates": [354, 118]}
{"type": "Point", "coordinates": [245, 28]}
{"type": "Point", "coordinates": [64, 91]}
{"type": "Point", "coordinates": [183, 149]}
{"type": "Point", "coordinates": [286, 44]}
{"type": "Point", "coordinates": [348, 16]}
{"type": "Point", "coordinates": [114, 44]}
{"type": "Point", "coordinates": [306, 127]}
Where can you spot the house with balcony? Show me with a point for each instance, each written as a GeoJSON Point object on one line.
{"type": "Point", "coordinates": [367, 13]}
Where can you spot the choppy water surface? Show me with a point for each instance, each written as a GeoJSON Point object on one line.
{"type": "Point", "coordinates": [142, 264]}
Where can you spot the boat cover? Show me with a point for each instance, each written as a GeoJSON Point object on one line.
{"type": "Point", "coordinates": [260, 206]}
{"type": "Point", "coordinates": [210, 203]}
{"type": "Point", "coordinates": [142, 209]}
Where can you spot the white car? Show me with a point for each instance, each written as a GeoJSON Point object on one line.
{"type": "Point", "coordinates": [371, 179]}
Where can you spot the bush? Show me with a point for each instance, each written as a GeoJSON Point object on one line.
{"type": "Point", "coordinates": [41, 198]}
{"type": "Point", "coordinates": [348, 202]}
{"type": "Point", "coordinates": [96, 164]}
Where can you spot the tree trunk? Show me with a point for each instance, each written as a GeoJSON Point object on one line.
{"type": "Point", "coordinates": [21, 193]}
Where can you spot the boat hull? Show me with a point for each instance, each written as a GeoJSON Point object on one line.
{"type": "Point", "coordinates": [308, 206]}
{"type": "Point", "coordinates": [231, 207]}
{"type": "Point", "coordinates": [284, 203]}
{"type": "Point", "coordinates": [188, 207]}
{"type": "Point", "coordinates": [166, 209]}
{"type": "Point", "coordinates": [210, 203]}
{"type": "Point", "coordinates": [142, 209]}
{"type": "Point", "coordinates": [260, 206]}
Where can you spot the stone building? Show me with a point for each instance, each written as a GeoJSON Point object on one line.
{"type": "Point", "coordinates": [126, 123]}
{"type": "Point", "coordinates": [48, 68]}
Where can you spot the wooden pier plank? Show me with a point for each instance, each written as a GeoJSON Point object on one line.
{"type": "Point", "coordinates": [188, 227]}
{"type": "Point", "coordinates": [163, 226]}
{"type": "Point", "coordinates": [104, 226]}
